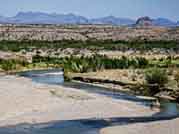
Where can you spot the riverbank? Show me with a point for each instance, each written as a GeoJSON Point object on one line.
{"type": "Point", "coordinates": [130, 81]}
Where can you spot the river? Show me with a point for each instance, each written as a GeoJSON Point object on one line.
{"type": "Point", "coordinates": [168, 110]}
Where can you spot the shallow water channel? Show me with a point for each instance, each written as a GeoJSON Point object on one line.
{"type": "Point", "coordinates": [168, 110]}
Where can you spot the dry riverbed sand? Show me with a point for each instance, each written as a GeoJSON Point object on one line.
{"type": "Point", "coordinates": [25, 101]}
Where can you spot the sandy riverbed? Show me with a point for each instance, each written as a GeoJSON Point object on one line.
{"type": "Point", "coordinates": [22, 101]}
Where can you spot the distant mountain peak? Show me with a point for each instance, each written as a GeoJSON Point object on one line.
{"type": "Point", "coordinates": [177, 23]}
{"type": "Point", "coordinates": [112, 20]}
{"type": "Point", "coordinates": [147, 21]}
{"type": "Point", "coordinates": [110, 17]}
{"type": "Point", "coordinates": [164, 22]}
{"type": "Point", "coordinates": [70, 18]}
{"type": "Point", "coordinates": [27, 13]}
{"type": "Point", "coordinates": [144, 21]}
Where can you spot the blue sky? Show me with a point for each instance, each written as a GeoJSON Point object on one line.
{"type": "Point", "coordinates": [96, 8]}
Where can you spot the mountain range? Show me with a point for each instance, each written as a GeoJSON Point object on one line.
{"type": "Point", "coordinates": [46, 18]}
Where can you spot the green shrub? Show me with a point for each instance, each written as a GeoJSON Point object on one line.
{"type": "Point", "coordinates": [8, 65]}
{"type": "Point", "coordinates": [176, 77]}
{"type": "Point", "coordinates": [155, 80]}
{"type": "Point", "coordinates": [12, 64]}
{"type": "Point", "coordinates": [142, 62]}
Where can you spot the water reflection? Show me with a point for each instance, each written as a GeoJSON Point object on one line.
{"type": "Point", "coordinates": [51, 76]}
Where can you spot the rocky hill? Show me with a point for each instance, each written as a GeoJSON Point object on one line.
{"type": "Point", "coordinates": [85, 32]}
{"type": "Point", "coordinates": [144, 21]}
{"type": "Point", "coordinates": [147, 21]}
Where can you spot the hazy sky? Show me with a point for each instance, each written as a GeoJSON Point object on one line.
{"type": "Point", "coordinates": [95, 8]}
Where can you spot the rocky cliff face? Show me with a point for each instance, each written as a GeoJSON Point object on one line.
{"type": "Point", "coordinates": [144, 21]}
{"type": "Point", "coordinates": [86, 32]}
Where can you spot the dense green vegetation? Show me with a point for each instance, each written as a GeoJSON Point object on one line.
{"type": "Point", "coordinates": [89, 44]}
{"type": "Point", "coordinates": [9, 65]}
{"type": "Point", "coordinates": [93, 63]}
{"type": "Point", "coordinates": [165, 62]}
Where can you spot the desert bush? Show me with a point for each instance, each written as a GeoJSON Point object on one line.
{"type": "Point", "coordinates": [176, 77]}
{"type": "Point", "coordinates": [155, 80]}
{"type": "Point", "coordinates": [142, 62]}
{"type": "Point", "coordinates": [12, 64]}
{"type": "Point", "coordinates": [8, 65]}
